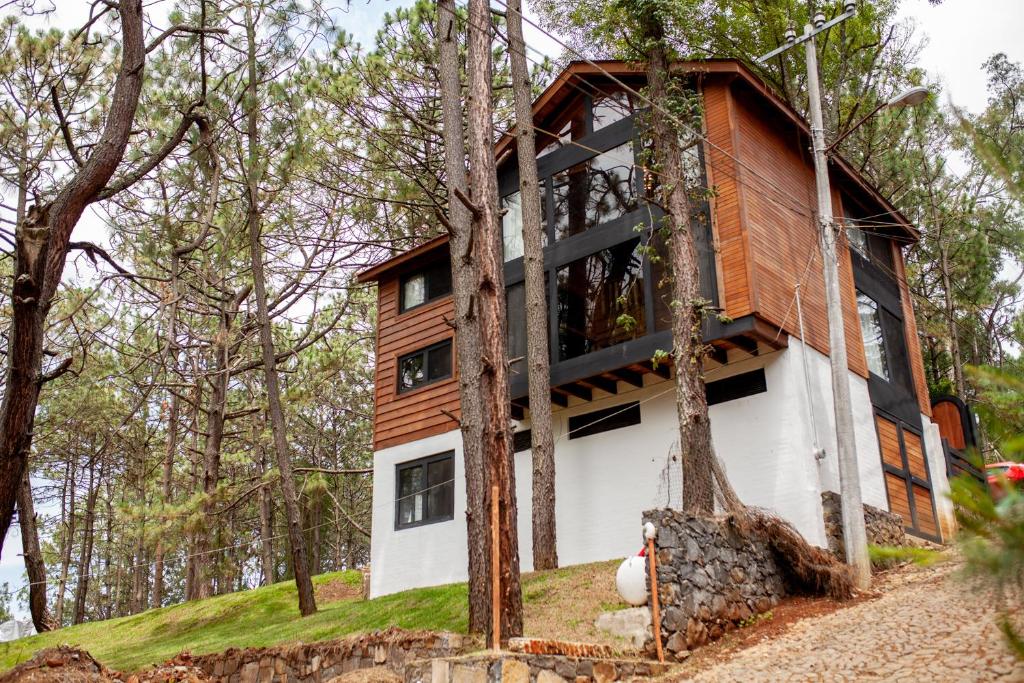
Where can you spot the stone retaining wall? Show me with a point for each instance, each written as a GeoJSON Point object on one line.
{"type": "Point", "coordinates": [710, 579]}
{"type": "Point", "coordinates": [884, 528]}
{"type": "Point", "coordinates": [511, 667]}
{"type": "Point", "coordinates": [317, 662]}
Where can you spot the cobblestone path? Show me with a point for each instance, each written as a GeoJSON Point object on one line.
{"type": "Point", "coordinates": [927, 626]}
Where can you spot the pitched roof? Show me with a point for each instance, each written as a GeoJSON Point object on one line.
{"type": "Point", "coordinates": [562, 89]}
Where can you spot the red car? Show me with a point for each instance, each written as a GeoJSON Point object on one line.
{"type": "Point", "coordinates": [1012, 471]}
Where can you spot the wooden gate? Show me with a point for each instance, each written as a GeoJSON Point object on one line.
{"type": "Point", "coordinates": [907, 481]}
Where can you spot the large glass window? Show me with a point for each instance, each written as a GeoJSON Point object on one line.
{"type": "Point", "coordinates": [425, 285]}
{"type": "Point", "coordinates": [425, 366]}
{"type": "Point", "coordinates": [601, 300]}
{"type": "Point", "coordinates": [596, 191]}
{"type": "Point", "coordinates": [608, 108]}
{"type": "Point", "coordinates": [425, 491]}
{"type": "Point", "coordinates": [572, 125]}
{"type": "Point", "coordinates": [512, 224]}
{"type": "Point", "coordinates": [871, 331]}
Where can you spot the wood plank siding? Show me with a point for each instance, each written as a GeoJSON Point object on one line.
{"type": "Point", "coordinates": [416, 414]}
{"type": "Point", "coordinates": [777, 198]}
{"type": "Point", "coordinates": [723, 175]}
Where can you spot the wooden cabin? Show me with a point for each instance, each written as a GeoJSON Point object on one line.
{"type": "Point", "coordinates": [768, 379]}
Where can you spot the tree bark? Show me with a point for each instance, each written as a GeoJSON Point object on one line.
{"type": "Point", "coordinates": [293, 515]}
{"type": "Point", "coordinates": [40, 250]}
{"type": "Point", "coordinates": [202, 560]}
{"type": "Point", "coordinates": [68, 538]}
{"type": "Point", "coordinates": [266, 508]}
{"type": "Point", "coordinates": [542, 446]}
{"type": "Point", "coordinates": [466, 323]}
{"type": "Point", "coordinates": [35, 568]}
{"type": "Point", "coordinates": [85, 558]}
{"type": "Point", "coordinates": [497, 433]}
{"type": "Point", "coordinates": [691, 400]}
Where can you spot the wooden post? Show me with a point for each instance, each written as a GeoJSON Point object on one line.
{"type": "Point", "coordinates": [495, 574]}
{"type": "Point", "coordinates": [655, 611]}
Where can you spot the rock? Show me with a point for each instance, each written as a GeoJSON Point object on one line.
{"type": "Point", "coordinates": [439, 670]}
{"type": "Point", "coordinates": [515, 671]}
{"type": "Point", "coordinates": [250, 672]}
{"type": "Point", "coordinates": [565, 668]}
{"type": "Point", "coordinates": [676, 642]}
{"type": "Point", "coordinates": [674, 619]}
{"type": "Point", "coordinates": [546, 676]}
{"type": "Point", "coordinates": [633, 624]}
{"type": "Point", "coordinates": [604, 672]}
{"type": "Point", "coordinates": [682, 655]}
{"type": "Point", "coordinates": [465, 673]}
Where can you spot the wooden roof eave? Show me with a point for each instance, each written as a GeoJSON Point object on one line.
{"type": "Point", "coordinates": [377, 272]}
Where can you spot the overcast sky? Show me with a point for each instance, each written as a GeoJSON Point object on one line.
{"type": "Point", "coordinates": [961, 35]}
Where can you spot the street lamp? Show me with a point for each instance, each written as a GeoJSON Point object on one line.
{"type": "Point", "coordinates": [911, 97]}
{"type": "Point", "coordinates": [854, 533]}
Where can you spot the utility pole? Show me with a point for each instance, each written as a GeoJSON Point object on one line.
{"type": "Point", "coordinates": [854, 532]}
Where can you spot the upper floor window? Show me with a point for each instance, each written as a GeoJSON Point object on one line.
{"type": "Point", "coordinates": [871, 331]}
{"type": "Point", "coordinates": [425, 491]}
{"type": "Point", "coordinates": [425, 366]}
{"type": "Point", "coordinates": [607, 108]}
{"type": "Point", "coordinates": [596, 191]}
{"type": "Point", "coordinates": [871, 246]}
{"type": "Point", "coordinates": [424, 286]}
{"type": "Point", "coordinates": [601, 300]}
{"type": "Point", "coordinates": [512, 223]}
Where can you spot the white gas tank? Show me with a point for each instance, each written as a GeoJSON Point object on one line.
{"type": "Point", "coordinates": [631, 580]}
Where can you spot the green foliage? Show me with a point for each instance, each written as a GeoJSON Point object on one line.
{"type": "Point", "coordinates": [992, 542]}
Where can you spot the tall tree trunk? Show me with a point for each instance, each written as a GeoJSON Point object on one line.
{"type": "Point", "coordinates": [688, 352]}
{"type": "Point", "coordinates": [191, 561]}
{"type": "Point", "coordinates": [266, 508]}
{"type": "Point", "coordinates": [278, 427]}
{"type": "Point", "coordinates": [467, 323]}
{"type": "Point", "coordinates": [497, 433]}
{"type": "Point", "coordinates": [203, 560]}
{"type": "Point", "coordinates": [545, 547]}
{"type": "Point", "coordinates": [140, 570]}
{"type": "Point", "coordinates": [166, 472]}
{"type": "Point", "coordinates": [85, 558]}
{"type": "Point", "coordinates": [41, 242]}
{"type": "Point", "coordinates": [35, 568]}
{"type": "Point", "coordinates": [68, 538]}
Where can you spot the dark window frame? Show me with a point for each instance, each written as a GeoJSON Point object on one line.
{"type": "Point", "coordinates": [425, 352]}
{"type": "Point", "coordinates": [423, 463]}
{"type": "Point", "coordinates": [736, 387]}
{"type": "Point", "coordinates": [605, 420]}
{"type": "Point", "coordinates": [607, 234]}
{"type": "Point", "coordinates": [425, 270]}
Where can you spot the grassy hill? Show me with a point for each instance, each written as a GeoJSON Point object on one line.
{"type": "Point", "coordinates": [558, 604]}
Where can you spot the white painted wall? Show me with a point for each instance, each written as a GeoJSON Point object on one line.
{"type": "Point", "coordinates": [937, 473]}
{"type": "Point", "coordinates": [604, 482]}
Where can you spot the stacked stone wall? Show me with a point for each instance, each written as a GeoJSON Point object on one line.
{"type": "Point", "coordinates": [884, 528]}
{"type": "Point", "coordinates": [317, 662]}
{"type": "Point", "coordinates": [710, 579]}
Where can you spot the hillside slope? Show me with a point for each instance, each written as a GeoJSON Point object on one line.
{"type": "Point", "coordinates": [559, 604]}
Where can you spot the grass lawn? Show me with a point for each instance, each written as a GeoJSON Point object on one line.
{"type": "Point", "coordinates": [558, 604]}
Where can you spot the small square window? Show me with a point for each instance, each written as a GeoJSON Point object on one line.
{"type": "Point", "coordinates": [871, 331]}
{"type": "Point", "coordinates": [425, 286]}
{"type": "Point", "coordinates": [425, 366]}
{"type": "Point", "coordinates": [425, 491]}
